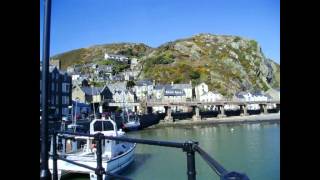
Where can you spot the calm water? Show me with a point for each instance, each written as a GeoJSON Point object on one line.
{"type": "Point", "coordinates": [250, 148]}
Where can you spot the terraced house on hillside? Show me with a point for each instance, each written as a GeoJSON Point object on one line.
{"type": "Point", "coordinates": [116, 57]}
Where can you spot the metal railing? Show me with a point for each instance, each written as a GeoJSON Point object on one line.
{"type": "Point", "coordinates": [190, 147]}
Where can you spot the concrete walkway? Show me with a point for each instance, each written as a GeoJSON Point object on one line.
{"type": "Point", "coordinates": [272, 117]}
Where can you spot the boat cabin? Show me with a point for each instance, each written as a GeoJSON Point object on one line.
{"type": "Point", "coordinates": [83, 145]}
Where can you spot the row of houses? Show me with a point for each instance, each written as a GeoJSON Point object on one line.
{"type": "Point", "coordinates": [104, 73]}
{"type": "Point", "coordinates": [59, 92]}
{"type": "Point", "coordinates": [115, 92]}
{"type": "Point", "coordinates": [148, 90]}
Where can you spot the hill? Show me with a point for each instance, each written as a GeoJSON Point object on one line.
{"type": "Point", "coordinates": [226, 63]}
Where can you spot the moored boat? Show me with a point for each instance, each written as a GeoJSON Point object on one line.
{"type": "Point", "coordinates": [116, 156]}
{"type": "Point", "coordinates": [131, 122]}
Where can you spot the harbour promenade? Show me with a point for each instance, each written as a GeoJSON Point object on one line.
{"type": "Point", "coordinates": [196, 105]}
{"type": "Point", "coordinates": [272, 117]}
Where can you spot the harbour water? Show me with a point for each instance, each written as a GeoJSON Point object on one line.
{"type": "Point", "coordinates": [250, 148]}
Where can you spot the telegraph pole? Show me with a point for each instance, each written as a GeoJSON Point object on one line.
{"type": "Point", "coordinates": [44, 171]}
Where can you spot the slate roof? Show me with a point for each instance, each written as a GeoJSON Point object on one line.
{"type": "Point", "coordinates": [238, 94]}
{"type": "Point", "coordinates": [182, 86]}
{"type": "Point", "coordinates": [258, 93]}
{"type": "Point", "coordinates": [144, 83]}
{"type": "Point", "coordinates": [161, 86]}
{"type": "Point", "coordinates": [118, 86]}
{"type": "Point", "coordinates": [91, 91]}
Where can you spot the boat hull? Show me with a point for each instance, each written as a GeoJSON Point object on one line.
{"type": "Point", "coordinates": [114, 165]}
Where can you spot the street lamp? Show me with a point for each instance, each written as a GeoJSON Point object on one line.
{"type": "Point", "coordinates": [94, 111]}
{"type": "Point", "coordinates": [75, 115]}
{"type": "Point", "coordinates": [70, 112]}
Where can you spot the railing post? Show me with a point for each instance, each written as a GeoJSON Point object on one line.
{"type": "Point", "coordinates": [99, 170]}
{"type": "Point", "coordinates": [54, 156]}
{"type": "Point", "coordinates": [44, 170]}
{"type": "Point", "coordinates": [191, 163]}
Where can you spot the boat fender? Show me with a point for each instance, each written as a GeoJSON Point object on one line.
{"type": "Point", "coordinates": [93, 148]}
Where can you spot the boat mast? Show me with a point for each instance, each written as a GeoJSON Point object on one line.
{"type": "Point", "coordinates": [125, 106]}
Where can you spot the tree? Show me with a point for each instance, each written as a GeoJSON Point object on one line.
{"type": "Point", "coordinates": [85, 83]}
{"type": "Point", "coordinates": [194, 75]}
{"type": "Point", "coordinates": [130, 84]}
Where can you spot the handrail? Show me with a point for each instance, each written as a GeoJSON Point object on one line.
{"type": "Point", "coordinates": [210, 161]}
{"type": "Point", "coordinates": [190, 147]}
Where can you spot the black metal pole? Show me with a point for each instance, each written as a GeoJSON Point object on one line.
{"type": "Point", "coordinates": [54, 157]}
{"type": "Point", "coordinates": [191, 163]}
{"type": "Point", "coordinates": [99, 170]}
{"type": "Point", "coordinates": [191, 166]}
{"type": "Point", "coordinates": [44, 172]}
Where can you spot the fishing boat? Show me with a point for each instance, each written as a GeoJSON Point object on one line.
{"type": "Point", "coordinates": [116, 155]}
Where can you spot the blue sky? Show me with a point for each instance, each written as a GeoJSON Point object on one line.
{"type": "Point", "coordinates": [83, 23]}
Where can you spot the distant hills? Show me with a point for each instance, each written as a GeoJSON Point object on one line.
{"type": "Point", "coordinates": [226, 63]}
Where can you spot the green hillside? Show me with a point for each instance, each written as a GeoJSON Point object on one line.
{"type": "Point", "coordinates": [226, 63]}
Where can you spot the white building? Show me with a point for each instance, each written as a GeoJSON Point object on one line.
{"type": "Point", "coordinates": [133, 63]}
{"type": "Point", "coordinates": [187, 88]}
{"type": "Point", "coordinates": [75, 77]}
{"type": "Point", "coordinates": [115, 57]}
{"type": "Point", "coordinates": [143, 89]}
{"type": "Point", "coordinates": [123, 96]}
{"type": "Point", "coordinates": [256, 96]}
{"type": "Point", "coordinates": [182, 91]}
{"type": "Point", "coordinates": [174, 95]}
{"type": "Point", "coordinates": [158, 91]}
{"type": "Point", "coordinates": [274, 93]}
{"type": "Point", "coordinates": [200, 89]}
{"type": "Point", "coordinates": [244, 96]}
{"type": "Point", "coordinates": [210, 97]}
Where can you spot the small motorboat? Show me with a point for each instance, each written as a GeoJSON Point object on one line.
{"type": "Point", "coordinates": [131, 122]}
{"type": "Point", "coordinates": [116, 155]}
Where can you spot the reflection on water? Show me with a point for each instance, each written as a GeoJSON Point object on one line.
{"type": "Point", "coordinates": [251, 148]}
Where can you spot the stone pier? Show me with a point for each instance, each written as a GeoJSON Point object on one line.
{"type": "Point", "coordinates": [168, 117]}
{"type": "Point", "coordinates": [278, 107]}
{"type": "Point", "coordinates": [263, 109]}
{"type": "Point", "coordinates": [196, 116]}
{"type": "Point", "coordinates": [221, 111]}
{"type": "Point", "coordinates": [243, 110]}
{"type": "Point", "coordinates": [149, 110]}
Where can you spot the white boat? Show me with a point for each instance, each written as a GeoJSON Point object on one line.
{"type": "Point", "coordinates": [116, 155]}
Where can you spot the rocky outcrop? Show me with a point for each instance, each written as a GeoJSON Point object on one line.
{"type": "Point", "coordinates": [226, 63]}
